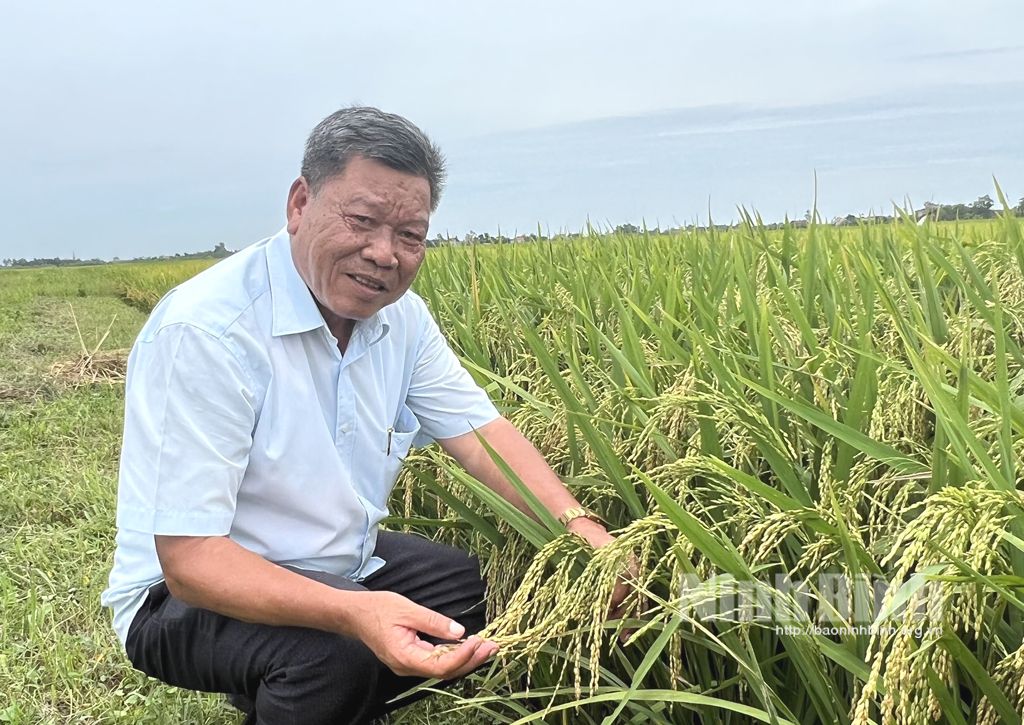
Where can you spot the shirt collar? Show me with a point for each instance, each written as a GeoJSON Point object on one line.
{"type": "Point", "coordinates": [294, 309]}
{"type": "Point", "coordinates": [373, 328]}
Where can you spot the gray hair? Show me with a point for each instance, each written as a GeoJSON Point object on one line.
{"type": "Point", "coordinates": [373, 134]}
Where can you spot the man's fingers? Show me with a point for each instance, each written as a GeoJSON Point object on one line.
{"type": "Point", "coordinates": [456, 663]}
{"type": "Point", "coordinates": [484, 651]}
{"type": "Point", "coordinates": [433, 623]}
{"type": "Point", "coordinates": [626, 634]}
{"type": "Point", "coordinates": [618, 613]}
{"type": "Point", "coordinates": [616, 605]}
{"type": "Point", "coordinates": [450, 664]}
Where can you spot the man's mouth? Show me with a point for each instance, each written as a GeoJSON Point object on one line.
{"type": "Point", "coordinates": [369, 283]}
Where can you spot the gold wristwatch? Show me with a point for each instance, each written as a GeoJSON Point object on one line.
{"type": "Point", "coordinates": [578, 512]}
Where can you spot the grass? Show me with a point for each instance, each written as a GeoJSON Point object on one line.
{"type": "Point", "coordinates": [738, 405]}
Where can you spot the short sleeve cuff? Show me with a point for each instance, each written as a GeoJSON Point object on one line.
{"type": "Point", "coordinates": [480, 415]}
{"type": "Point", "coordinates": [174, 523]}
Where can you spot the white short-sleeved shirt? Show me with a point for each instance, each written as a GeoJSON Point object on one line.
{"type": "Point", "coordinates": [242, 418]}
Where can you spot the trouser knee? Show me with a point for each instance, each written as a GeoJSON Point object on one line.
{"type": "Point", "coordinates": [329, 679]}
{"type": "Point", "coordinates": [469, 608]}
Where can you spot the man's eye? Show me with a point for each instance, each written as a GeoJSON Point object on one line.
{"type": "Point", "coordinates": [412, 237]}
{"type": "Point", "coordinates": [360, 218]}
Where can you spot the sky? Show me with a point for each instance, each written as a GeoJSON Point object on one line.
{"type": "Point", "coordinates": [133, 129]}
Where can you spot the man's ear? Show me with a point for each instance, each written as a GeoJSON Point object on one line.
{"type": "Point", "coordinates": [298, 198]}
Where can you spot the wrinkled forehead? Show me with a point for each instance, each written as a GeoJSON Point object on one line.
{"type": "Point", "coordinates": [390, 207]}
{"type": "Point", "coordinates": [383, 190]}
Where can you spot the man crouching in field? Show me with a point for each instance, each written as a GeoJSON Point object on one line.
{"type": "Point", "coordinates": [270, 402]}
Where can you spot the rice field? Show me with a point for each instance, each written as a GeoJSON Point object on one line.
{"type": "Point", "coordinates": [831, 419]}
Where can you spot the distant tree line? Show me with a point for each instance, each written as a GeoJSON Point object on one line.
{"type": "Point", "coordinates": [980, 208]}
{"type": "Point", "coordinates": [51, 262]}
{"type": "Point", "coordinates": [218, 252]}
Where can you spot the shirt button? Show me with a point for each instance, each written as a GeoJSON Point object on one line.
{"type": "Point", "coordinates": [346, 428]}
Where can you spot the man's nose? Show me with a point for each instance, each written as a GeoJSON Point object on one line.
{"type": "Point", "coordinates": [380, 248]}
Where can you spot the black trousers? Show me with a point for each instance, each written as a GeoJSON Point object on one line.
{"type": "Point", "coordinates": [299, 675]}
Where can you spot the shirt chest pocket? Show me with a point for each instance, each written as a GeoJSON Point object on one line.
{"type": "Point", "coordinates": [397, 441]}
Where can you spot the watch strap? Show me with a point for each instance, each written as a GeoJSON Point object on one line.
{"type": "Point", "coordinates": [577, 512]}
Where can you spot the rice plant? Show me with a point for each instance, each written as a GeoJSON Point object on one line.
{"type": "Point", "coordinates": [839, 405]}
{"type": "Point", "coordinates": [773, 422]}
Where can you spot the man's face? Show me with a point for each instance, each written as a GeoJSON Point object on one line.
{"type": "Point", "coordinates": [360, 241]}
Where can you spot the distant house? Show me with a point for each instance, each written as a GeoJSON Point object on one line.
{"type": "Point", "coordinates": [930, 210]}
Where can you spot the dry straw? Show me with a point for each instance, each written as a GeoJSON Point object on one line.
{"type": "Point", "coordinates": [92, 366]}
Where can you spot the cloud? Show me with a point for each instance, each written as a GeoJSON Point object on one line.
{"type": "Point", "coordinates": [967, 53]}
{"type": "Point", "coordinates": [166, 126]}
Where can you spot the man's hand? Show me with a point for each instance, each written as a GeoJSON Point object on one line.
{"type": "Point", "coordinates": [530, 466]}
{"type": "Point", "coordinates": [598, 536]}
{"type": "Point", "coordinates": [389, 624]}
{"type": "Point", "coordinates": [216, 573]}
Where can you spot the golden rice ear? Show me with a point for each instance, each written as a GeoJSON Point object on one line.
{"type": "Point", "coordinates": [818, 400]}
{"type": "Point", "coordinates": [788, 389]}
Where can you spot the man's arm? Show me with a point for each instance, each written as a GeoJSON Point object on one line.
{"type": "Point", "coordinates": [215, 573]}
{"type": "Point", "coordinates": [527, 463]}
{"type": "Point", "coordinates": [189, 415]}
{"type": "Point", "coordinates": [445, 398]}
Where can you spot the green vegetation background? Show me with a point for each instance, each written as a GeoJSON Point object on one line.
{"type": "Point", "coordinates": [60, 661]}
{"type": "Point", "coordinates": [739, 402]}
